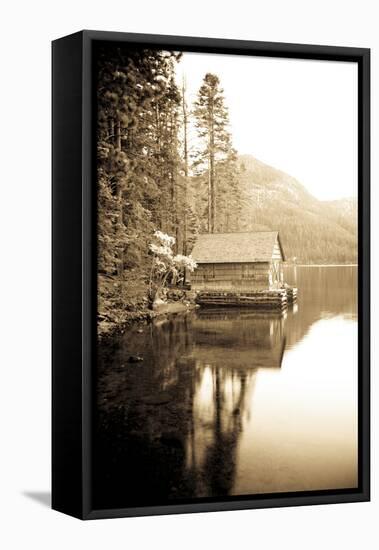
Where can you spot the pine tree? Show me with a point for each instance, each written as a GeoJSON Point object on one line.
{"type": "Point", "coordinates": [185, 164]}
{"type": "Point", "coordinates": [138, 158]}
{"type": "Point", "coordinates": [215, 158]}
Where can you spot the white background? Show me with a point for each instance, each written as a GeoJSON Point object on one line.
{"type": "Point", "coordinates": [27, 28]}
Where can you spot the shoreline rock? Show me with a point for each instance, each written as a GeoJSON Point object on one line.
{"type": "Point", "coordinates": [107, 330]}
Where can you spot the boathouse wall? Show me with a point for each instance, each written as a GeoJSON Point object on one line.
{"type": "Point", "coordinates": [232, 276]}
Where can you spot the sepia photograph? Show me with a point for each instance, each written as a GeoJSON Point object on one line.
{"type": "Point", "coordinates": [227, 276]}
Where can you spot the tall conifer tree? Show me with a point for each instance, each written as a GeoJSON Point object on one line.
{"type": "Point", "coordinates": [215, 156]}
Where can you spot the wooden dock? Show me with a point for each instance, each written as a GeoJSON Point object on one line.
{"type": "Point", "coordinates": [291, 295]}
{"type": "Point", "coordinates": [266, 300]}
{"type": "Point", "coordinates": [260, 299]}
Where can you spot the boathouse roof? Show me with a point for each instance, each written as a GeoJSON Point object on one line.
{"type": "Point", "coordinates": [248, 247]}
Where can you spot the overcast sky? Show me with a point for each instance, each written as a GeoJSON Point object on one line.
{"type": "Point", "coordinates": [297, 115]}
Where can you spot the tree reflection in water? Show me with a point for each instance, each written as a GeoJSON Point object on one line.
{"type": "Point", "coordinates": [169, 428]}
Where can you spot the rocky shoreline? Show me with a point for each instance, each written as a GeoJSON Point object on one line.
{"type": "Point", "coordinates": [178, 301]}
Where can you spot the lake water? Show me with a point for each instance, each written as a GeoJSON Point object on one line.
{"type": "Point", "coordinates": [230, 402]}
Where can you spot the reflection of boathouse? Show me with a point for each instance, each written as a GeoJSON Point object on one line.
{"type": "Point", "coordinates": [239, 338]}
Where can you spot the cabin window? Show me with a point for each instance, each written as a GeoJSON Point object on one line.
{"type": "Point", "coordinates": [247, 271]}
{"type": "Point", "coordinates": [208, 272]}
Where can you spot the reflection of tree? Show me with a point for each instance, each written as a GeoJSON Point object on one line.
{"type": "Point", "coordinates": [222, 450]}
{"type": "Point", "coordinates": [216, 473]}
{"type": "Point", "coordinates": [169, 427]}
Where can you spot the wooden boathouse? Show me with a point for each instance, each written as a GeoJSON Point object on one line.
{"type": "Point", "coordinates": [241, 269]}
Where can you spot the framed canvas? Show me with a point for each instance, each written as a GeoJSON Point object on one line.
{"type": "Point", "coordinates": [211, 275]}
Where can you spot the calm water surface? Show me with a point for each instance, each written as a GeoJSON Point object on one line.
{"type": "Point", "coordinates": [230, 402]}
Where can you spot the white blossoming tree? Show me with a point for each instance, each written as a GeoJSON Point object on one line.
{"type": "Point", "coordinates": [165, 265]}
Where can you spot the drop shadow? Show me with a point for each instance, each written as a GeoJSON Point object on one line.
{"type": "Point", "coordinates": [41, 497]}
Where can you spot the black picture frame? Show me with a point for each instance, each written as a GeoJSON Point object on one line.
{"type": "Point", "coordinates": [74, 273]}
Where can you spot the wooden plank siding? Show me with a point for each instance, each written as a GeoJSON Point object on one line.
{"type": "Point", "coordinates": [238, 276]}
{"type": "Point", "coordinates": [277, 254]}
{"type": "Point", "coordinates": [238, 262]}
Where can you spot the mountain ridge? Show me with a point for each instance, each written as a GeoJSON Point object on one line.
{"type": "Point", "coordinates": [311, 230]}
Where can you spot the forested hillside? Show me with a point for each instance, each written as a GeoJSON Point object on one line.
{"type": "Point", "coordinates": [151, 176]}
{"type": "Point", "coordinates": [311, 230]}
